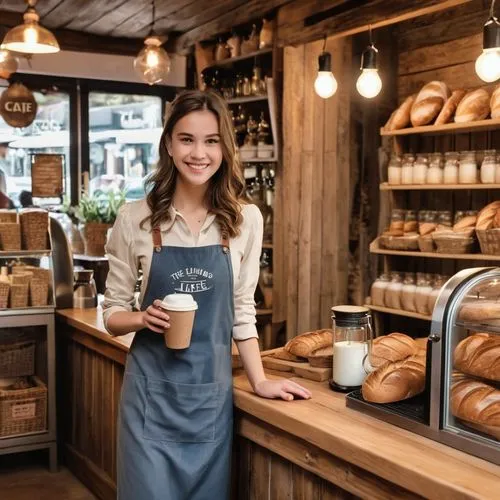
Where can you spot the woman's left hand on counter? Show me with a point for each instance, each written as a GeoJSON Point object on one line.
{"type": "Point", "coordinates": [282, 388]}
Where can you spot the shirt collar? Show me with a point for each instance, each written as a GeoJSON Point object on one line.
{"type": "Point", "coordinates": [167, 225]}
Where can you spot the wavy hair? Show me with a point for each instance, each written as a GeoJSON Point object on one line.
{"type": "Point", "coordinates": [225, 194]}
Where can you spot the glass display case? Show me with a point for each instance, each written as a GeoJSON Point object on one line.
{"type": "Point", "coordinates": [460, 406]}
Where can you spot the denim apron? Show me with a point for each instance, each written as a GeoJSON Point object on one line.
{"type": "Point", "coordinates": [176, 408]}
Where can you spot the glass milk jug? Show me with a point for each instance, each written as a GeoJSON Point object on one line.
{"type": "Point", "coordinates": [352, 338]}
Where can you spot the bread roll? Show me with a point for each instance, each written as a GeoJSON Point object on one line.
{"type": "Point", "coordinates": [421, 343]}
{"type": "Point", "coordinates": [473, 107]}
{"type": "Point", "coordinates": [401, 118]}
{"type": "Point", "coordinates": [495, 103]}
{"type": "Point", "coordinates": [392, 347]}
{"type": "Point", "coordinates": [449, 107]}
{"type": "Point", "coordinates": [479, 355]}
{"type": "Point", "coordinates": [487, 215]}
{"type": "Point", "coordinates": [477, 403]}
{"type": "Point", "coordinates": [466, 222]}
{"type": "Point", "coordinates": [433, 89]}
{"type": "Point", "coordinates": [424, 111]}
{"type": "Point", "coordinates": [395, 381]}
{"type": "Point", "coordinates": [388, 125]}
{"type": "Point", "coordinates": [303, 345]}
{"type": "Point", "coordinates": [480, 310]}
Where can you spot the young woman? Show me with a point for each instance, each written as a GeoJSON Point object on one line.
{"type": "Point", "coordinates": [176, 410]}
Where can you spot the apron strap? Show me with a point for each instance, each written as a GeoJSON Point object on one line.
{"type": "Point", "coordinates": [224, 241]}
{"type": "Point", "coordinates": [157, 244]}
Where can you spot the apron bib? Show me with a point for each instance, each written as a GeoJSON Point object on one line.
{"type": "Point", "coordinates": [176, 408]}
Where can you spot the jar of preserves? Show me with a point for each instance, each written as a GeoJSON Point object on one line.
{"type": "Point", "coordinates": [424, 288]}
{"type": "Point", "coordinates": [450, 173]}
{"type": "Point", "coordinates": [377, 291]}
{"type": "Point", "coordinates": [393, 291]}
{"type": "Point", "coordinates": [408, 293]}
{"type": "Point", "coordinates": [407, 168]}
{"type": "Point", "coordinates": [394, 170]}
{"type": "Point", "coordinates": [420, 169]}
{"type": "Point", "coordinates": [467, 171]}
{"type": "Point", "coordinates": [435, 174]}
{"type": "Point", "coordinates": [488, 167]}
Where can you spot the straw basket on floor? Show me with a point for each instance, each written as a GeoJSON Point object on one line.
{"type": "Point", "coordinates": [8, 216]}
{"type": "Point", "coordinates": [17, 359]}
{"type": "Point", "coordinates": [10, 236]}
{"type": "Point", "coordinates": [4, 294]}
{"type": "Point", "coordinates": [34, 229]}
{"type": "Point", "coordinates": [94, 234]}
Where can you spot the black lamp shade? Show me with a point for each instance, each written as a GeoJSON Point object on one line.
{"type": "Point", "coordinates": [325, 62]}
{"type": "Point", "coordinates": [491, 33]}
{"type": "Point", "coordinates": [369, 57]}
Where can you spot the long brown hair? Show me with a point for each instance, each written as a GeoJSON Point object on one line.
{"type": "Point", "coordinates": [225, 194]}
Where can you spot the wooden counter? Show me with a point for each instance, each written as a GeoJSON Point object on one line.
{"type": "Point", "coordinates": [301, 450]}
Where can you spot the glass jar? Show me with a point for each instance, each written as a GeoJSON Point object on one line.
{"type": "Point", "coordinates": [497, 170]}
{"type": "Point", "coordinates": [444, 219]}
{"type": "Point", "coordinates": [467, 171]}
{"type": "Point", "coordinates": [377, 291]}
{"type": "Point", "coordinates": [450, 173]}
{"type": "Point", "coordinates": [408, 293]}
{"type": "Point", "coordinates": [352, 338]}
{"type": "Point", "coordinates": [434, 294]}
{"type": "Point", "coordinates": [410, 225]}
{"type": "Point", "coordinates": [422, 292]}
{"type": "Point", "coordinates": [488, 167]}
{"type": "Point", "coordinates": [397, 222]}
{"type": "Point", "coordinates": [394, 170]}
{"type": "Point", "coordinates": [393, 291]}
{"type": "Point", "coordinates": [420, 169]}
{"type": "Point", "coordinates": [435, 174]}
{"type": "Point", "coordinates": [459, 215]}
{"type": "Point", "coordinates": [407, 168]}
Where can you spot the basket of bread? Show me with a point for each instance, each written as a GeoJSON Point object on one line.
{"type": "Point", "coordinates": [402, 233]}
{"type": "Point", "coordinates": [488, 229]}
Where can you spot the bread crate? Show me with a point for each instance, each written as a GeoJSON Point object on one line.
{"type": "Point", "coordinates": [17, 359]}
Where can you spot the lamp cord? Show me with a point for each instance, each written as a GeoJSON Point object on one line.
{"type": "Point", "coordinates": [324, 44]}
{"type": "Point", "coordinates": [492, 8]}
{"type": "Point", "coordinates": [370, 32]}
{"type": "Point", "coordinates": [153, 15]}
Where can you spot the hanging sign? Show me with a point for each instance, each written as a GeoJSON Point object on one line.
{"type": "Point", "coordinates": [46, 175]}
{"type": "Point", "coordinates": [18, 106]}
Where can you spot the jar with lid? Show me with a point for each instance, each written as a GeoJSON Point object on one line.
{"type": "Point", "coordinates": [407, 168]}
{"type": "Point", "coordinates": [488, 167]}
{"type": "Point", "coordinates": [497, 170]}
{"type": "Point", "coordinates": [408, 293]}
{"type": "Point", "coordinates": [444, 219]}
{"type": "Point", "coordinates": [435, 174]}
{"type": "Point", "coordinates": [410, 225]}
{"type": "Point", "coordinates": [450, 173]}
{"type": "Point", "coordinates": [393, 291]}
{"type": "Point", "coordinates": [467, 171]}
{"type": "Point", "coordinates": [377, 291]}
{"type": "Point", "coordinates": [397, 222]}
{"type": "Point", "coordinates": [422, 292]}
{"type": "Point", "coordinates": [420, 169]}
{"type": "Point", "coordinates": [394, 170]}
{"type": "Point", "coordinates": [459, 215]}
{"type": "Point", "coordinates": [438, 283]}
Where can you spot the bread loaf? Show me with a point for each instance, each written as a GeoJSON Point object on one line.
{"type": "Point", "coordinates": [476, 403]}
{"type": "Point", "coordinates": [487, 215]}
{"type": "Point", "coordinates": [479, 355]}
{"type": "Point", "coordinates": [450, 107]}
{"type": "Point", "coordinates": [433, 89]}
{"type": "Point", "coordinates": [495, 103]}
{"type": "Point", "coordinates": [465, 223]}
{"type": "Point", "coordinates": [303, 345]}
{"type": "Point", "coordinates": [392, 347]}
{"type": "Point", "coordinates": [483, 310]}
{"type": "Point", "coordinates": [424, 111]}
{"type": "Point", "coordinates": [473, 107]}
{"type": "Point", "coordinates": [401, 117]}
{"type": "Point", "coordinates": [496, 220]}
{"type": "Point", "coordinates": [388, 125]}
{"type": "Point", "coordinates": [395, 381]}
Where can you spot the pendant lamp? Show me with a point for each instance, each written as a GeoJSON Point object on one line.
{"type": "Point", "coordinates": [488, 63]}
{"type": "Point", "coordinates": [152, 64]}
{"type": "Point", "coordinates": [325, 84]}
{"type": "Point", "coordinates": [369, 83]}
{"type": "Point", "coordinates": [8, 64]}
{"type": "Point", "coordinates": [30, 37]}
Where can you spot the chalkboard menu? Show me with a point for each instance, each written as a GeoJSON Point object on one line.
{"type": "Point", "coordinates": [47, 175]}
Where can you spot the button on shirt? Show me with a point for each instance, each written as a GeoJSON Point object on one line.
{"type": "Point", "coordinates": [130, 248]}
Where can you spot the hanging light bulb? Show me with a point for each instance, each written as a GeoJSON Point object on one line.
{"type": "Point", "coordinates": [325, 84]}
{"type": "Point", "coordinates": [8, 64]}
{"type": "Point", "coordinates": [152, 64]}
{"type": "Point", "coordinates": [369, 83]}
{"type": "Point", "coordinates": [488, 63]}
{"type": "Point", "coordinates": [30, 37]}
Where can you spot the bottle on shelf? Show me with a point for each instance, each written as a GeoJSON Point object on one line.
{"type": "Point", "coordinates": [408, 291]}
{"type": "Point", "coordinates": [221, 50]}
{"type": "Point", "coordinates": [422, 292]}
{"type": "Point", "coordinates": [234, 44]}
{"type": "Point", "coordinates": [467, 171]}
{"type": "Point", "coordinates": [438, 283]}
{"type": "Point", "coordinates": [407, 168]}
{"type": "Point", "coordinates": [435, 174]}
{"type": "Point", "coordinates": [488, 167]}
{"type": "Point", "coordinates": [420, 169]}
{"type": "Point", "coordinates": [450, 174]}
{"type": "Point", "coordinates": [393, 291]}
{"type": "Point", "coordinates": [394, 170]}
{"type": "Point", "coordinates": [378, 289]}
{"type": "Point", "coordinates": [257, 85]}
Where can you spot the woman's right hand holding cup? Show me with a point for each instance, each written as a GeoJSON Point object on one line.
{"type": "Point", "coordinates": [155, 318]}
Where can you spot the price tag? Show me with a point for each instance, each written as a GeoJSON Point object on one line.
{"type": "Point", "coordinates": [21, 412]}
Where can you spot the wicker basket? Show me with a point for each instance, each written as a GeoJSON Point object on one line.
{"type": "Point", "coordinates": [23, 411]}
{"type": "Point", "coordinates": [17, 359]}
{"type": "Point", "coordinates": [4, 294]}
{"type": "Point", "coordinates": [40, 273]}
{"type": "Point", "coordinates": [34, 229]}
{"type": "Point", "coordinates": [95, 238]}
{"type": "Point", "coordinates": [39, 292]}
{"type": "Point", "coordinates": [426, 244]}
{"type": "Point", "coordinates": [454, 244]}
{"type": "Point", "coordinates": [21, 278]}
{"type": "Point", "coordinates": [10, 236]}
{"type": "Point", "coordinates": [8, 216]}
{"type": "Point", "coordinates": [19, 295]}
{"type": "Point", "coordinates": [406, 243]}
{"type": "Point", "coordinates": [489, 241]}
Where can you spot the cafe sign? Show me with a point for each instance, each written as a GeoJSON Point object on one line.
{"type": "Point", "coordinates": [18, 106]}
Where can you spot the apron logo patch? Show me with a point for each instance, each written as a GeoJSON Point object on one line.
{"type": "Point", "coordinates": [192, 280]}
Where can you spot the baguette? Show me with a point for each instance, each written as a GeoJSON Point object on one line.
{"type": "Point", "coordinates": [479, 355]}
{"type": "Point", "coordinates": [476, 403]}
{"type": "Point", "coordinates": [449, 107]}
{"type": "Point", "coordinates": [423, 112]}
{"type": "Point", "coordinates": [465, 223]}
{"type": "Point", "coordinates": [487, 215]}
{"type": "Point", "coordinates": [392, 347]}
{"type": "Point", "coordinates": [303, 345]}
{"type": "Point", "coordinates": [401, 117]}
{"type": "Point", "coordinates": [474, 106]}
{"type": "Point", "coordinates": [396, 381]}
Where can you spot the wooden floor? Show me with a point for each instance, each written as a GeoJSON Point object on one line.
{"type": "Point", "coordinates": [26, 476]}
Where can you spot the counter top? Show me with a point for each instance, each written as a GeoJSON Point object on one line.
{"type": "Point", "coordinates": [413, 462]}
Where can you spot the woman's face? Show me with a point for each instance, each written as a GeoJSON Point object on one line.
{"type": "Point", "coordinates": [195, 147]}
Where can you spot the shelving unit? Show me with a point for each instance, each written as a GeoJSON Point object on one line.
{"type": "Point", "coordinates": [448, 128]}
{"type": "Point", "coordinates": [398, 312]}
{"type": "Point", "coordinates": [231, 60]}
{"type": "Point", "coordinates": [385, 186]}
{"type": "Point", "coordinates": [244, 100]}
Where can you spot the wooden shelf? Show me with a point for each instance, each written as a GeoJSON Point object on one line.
{"type": "Point", "coordinates": [260, 160]}
{"type": "Point", "coordinates": [5, 254]}
{"type": "Point", "coordinates": [385, 186]}
{"type": "Point", "coordinates": [250, 98]}
{"type": "Point", "coordinates": [267, 245]}
{"type": "Point", "coordinates": [263, 312]}
{"type": "Point", "coordinates": [448, 128]}
{"type": "Point", "coordinates": [399, 312]}
{"type": "Point", "coordinates": [231, 60]}
{"type": "Point", "coordinates": [375, 248]}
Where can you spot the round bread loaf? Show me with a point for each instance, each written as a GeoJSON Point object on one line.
{"type": "Point", "coordinates": [392, 347]}
{"type": "Point", "coordinates": [450, 107]}
{"type": "Point", "coordinates": [424, 111]}
{"type": "Point", "coordinates": [473, 107]}
{"type": "Point", "coordinates": [433, 89]}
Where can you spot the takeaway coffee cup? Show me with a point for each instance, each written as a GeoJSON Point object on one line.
{"type": "Point", "coordinates": [181, 307]}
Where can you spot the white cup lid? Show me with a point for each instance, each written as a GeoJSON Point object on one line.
{"type": "Point", "coordinates": [179, 302]}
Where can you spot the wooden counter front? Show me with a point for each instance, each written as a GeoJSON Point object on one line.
{"type": "Point", "coordinates": [303, 450]}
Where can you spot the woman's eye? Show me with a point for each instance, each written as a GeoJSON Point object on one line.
{"type": "Point", "coordinates": [213, 141]}
{"type": "Point", "coordinates": [186, 140]}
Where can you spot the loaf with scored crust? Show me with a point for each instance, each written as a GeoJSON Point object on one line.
{"type": "Point", "coordinates": [393, 347]}
{"type": "Point", "coordinates": [303, 345]}
{"type": "Point", "coordinates": [479, 355]}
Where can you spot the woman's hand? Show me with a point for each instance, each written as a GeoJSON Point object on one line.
{"type": "Point", "coordinates": [282, 388]}
{"type": "Point", "coordinates": [155, 318]}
